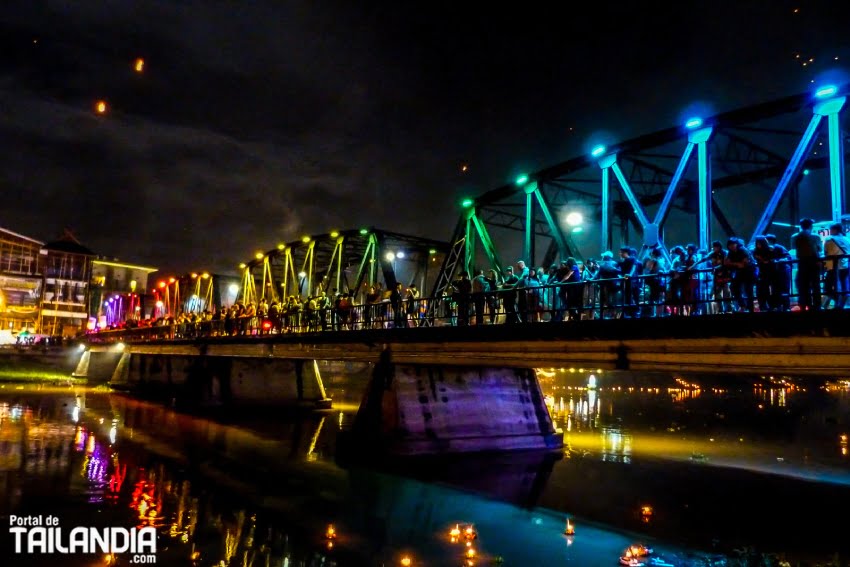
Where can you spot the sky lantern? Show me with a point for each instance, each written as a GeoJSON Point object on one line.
{"type": "Point", "coordinates": [100, 107]}
{"type": "Point", "coordinates": [139, 65]}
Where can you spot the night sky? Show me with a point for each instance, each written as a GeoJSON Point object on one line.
{"type": "Point", "coordinates": [255, 122]}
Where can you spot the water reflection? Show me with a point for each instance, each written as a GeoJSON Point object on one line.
{"type": "Point", "coordinates": [264, 490]}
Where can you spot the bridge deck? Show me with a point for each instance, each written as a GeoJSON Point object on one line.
{"type": "Point", "coordinates": [796, 343]}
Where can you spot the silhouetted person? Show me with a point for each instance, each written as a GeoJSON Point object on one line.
{"type": "Point", "coordinates": [809, 251]}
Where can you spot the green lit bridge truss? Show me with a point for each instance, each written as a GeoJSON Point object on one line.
{"type": "Point", "coordinates": [349, 261]}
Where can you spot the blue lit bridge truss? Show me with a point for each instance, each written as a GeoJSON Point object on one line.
{"type": "Point", "coordinates": [740, 173]}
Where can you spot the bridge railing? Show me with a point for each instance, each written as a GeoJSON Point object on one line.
{"type": "Point", "coordinates": [688, 293]}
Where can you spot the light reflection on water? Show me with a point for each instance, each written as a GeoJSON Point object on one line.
{"type": "Point", "coordinates": [683, 420]}
{"type": "Point", "coordinates": [266, 488]}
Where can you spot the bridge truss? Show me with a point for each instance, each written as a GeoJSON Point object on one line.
{"type": "Point", "coordinates": [676, 185]}
{"type": "Point", "coordinates": [349, 261]}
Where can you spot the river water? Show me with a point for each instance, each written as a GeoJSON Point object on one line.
{"type": "Point", "coordinates": [706, 471]}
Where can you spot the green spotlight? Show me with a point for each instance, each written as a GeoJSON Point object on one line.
{"type": "Point", "coordinates": [364, 231]}
{"type": "Point", "coordinates": [466, 203]}
{"type": "Point", "coordinates": [521, 179]}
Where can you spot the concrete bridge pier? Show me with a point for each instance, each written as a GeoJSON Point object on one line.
{"type": "Point", "coordinates": [193, 377]}
{"type": "Point", "coordinates": [97, 366]}
{"type": "Point", "coordinates": [419, 409]}
{"type": "Point", "coordinates": [223, 380]}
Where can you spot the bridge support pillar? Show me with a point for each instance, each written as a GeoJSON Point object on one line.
{"type": "Point", "coordinates": [429, 409]}
{"type": "Point", "coordinates": [97, 366]}
{"type": "Point", "coordinates": [82, 370]}
{"type": "Point", "coordinates": [222, 380]}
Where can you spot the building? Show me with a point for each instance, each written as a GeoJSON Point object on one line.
{"type": "Point", "coordinates": [61, 288]}
{"type": "Point", "coordinates": [20, 282]}
{"type": "Point", "coordinates": [66, 270]}
{"type": "Point", "coordinates": [119, 293]}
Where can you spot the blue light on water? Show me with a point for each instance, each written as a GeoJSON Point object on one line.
{"type": "Point", "coordinates": [826, 91]}
{"type": "Point", "coordinates": [597, 150]}
{"type": "Point", "coordinates": [694, 122]}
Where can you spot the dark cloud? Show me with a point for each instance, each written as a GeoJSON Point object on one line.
{"type": "Point", "coordinates": [256, 122]}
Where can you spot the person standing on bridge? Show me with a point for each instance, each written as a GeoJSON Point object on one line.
{"type": "Point", "coordinates": [509, 295]}
{"type": "Point", "coordinates": [462, 291]}
{"type": "Point", "coordinates": [780, 289]}
{"type": "Point", "coordinates": [399, 316]}
{"type": "Point", "coordinates": [837, 247]}
{"type": "Point", "coordinates": [809, 249]}
{"type": "Point", "coordinates": [411, 300]}
{"type": "Point", "coordinates": [742, 267]}
{"type": "Point", "coordinates": [480, 288]}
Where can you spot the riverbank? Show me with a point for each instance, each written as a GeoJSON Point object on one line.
{"type": "Point", "coordinates": [38, 365]}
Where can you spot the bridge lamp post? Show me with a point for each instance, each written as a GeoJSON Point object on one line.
{"type": "Point", "coordinates": [604, 162]}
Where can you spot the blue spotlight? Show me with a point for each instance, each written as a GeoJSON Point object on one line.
{"type": "Point", "coordinates": [693, 123]}
{"type": "Point", "coordinates": [826, 91]}
{"type": "Point", "coordinates": [597, 150]}
{"type": "Point", "coordinates": [806, 172]}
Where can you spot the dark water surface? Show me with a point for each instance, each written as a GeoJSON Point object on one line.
{"type": "Point", "coordinates": [736, 472]}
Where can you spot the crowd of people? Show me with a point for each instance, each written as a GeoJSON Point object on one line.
{"type": "Point", "coordinates": [685, 281]}
{"type": "Point", "coordinates": [813, 274]}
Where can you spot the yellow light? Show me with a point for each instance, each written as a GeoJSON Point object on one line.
{"type": "Point", "coordinates": [171, 280]}
{"type": "Point", "coordinates": [305, 239]}
{"type": "Point", "coordinates": [259, 255]}
{"type": "Point", "coordinates": [243, 265]}
{"type": "Point", "coordinates": [196, 555]}
{"type": "Point", "coordinates": [330, 533]}
{"type": "Point", "coordinates": [205, 275]}
{"type": "Point", "coordinates": [139, 65]}
{"type": "Point", "coordinates": [406, 561]}
{"type": "Point", "coordinates": [455, 532]}
{"type": "Point", "coordinates": [100, 107]}
{"type": "Point", "coordinates": [281, 246]}
{"type": "Point", "coordinates": [334, 234]}
{"type": "Point", "coordinates": [132, 285]}
{"type": "Point", "coordinates": [646, 510]}
{"type": "Point", "coordinates": [470, 552]}
{"type": "Point", "coordinates": [194, 275]}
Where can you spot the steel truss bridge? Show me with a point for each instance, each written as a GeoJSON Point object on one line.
{"type": "Point", "coordinates": [347, 261]}
{"type": "Point", "coordinates": [665, 184]}
{"type": "Point", "coordinates": [674, 185]}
